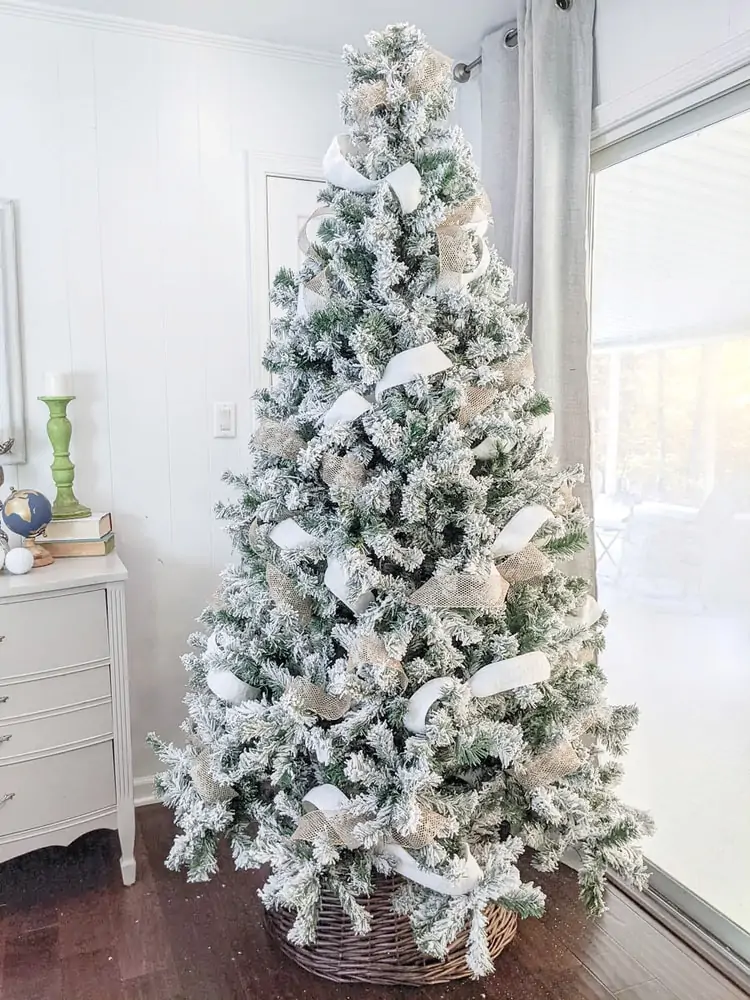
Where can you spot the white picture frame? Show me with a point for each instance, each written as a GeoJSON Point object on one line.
{"type": "Point", "coordinates": [12, 422]}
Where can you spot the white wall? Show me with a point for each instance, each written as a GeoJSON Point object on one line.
{"type": "Point", "coordinates": [469, 113]}
{"type": "Point", "coordinates": [125, 150]}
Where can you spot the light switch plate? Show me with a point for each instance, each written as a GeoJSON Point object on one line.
{"type": "Point", "coordinates": [225, 420]}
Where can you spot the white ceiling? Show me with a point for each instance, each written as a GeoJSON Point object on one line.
{"type": "Point", "coordinates": [453, 26]}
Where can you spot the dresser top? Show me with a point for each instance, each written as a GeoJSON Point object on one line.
{"type": "Point", "coordinates": [64, 574]}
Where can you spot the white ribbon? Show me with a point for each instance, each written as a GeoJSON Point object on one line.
{"type": "Point", "coordinates": [503, 675]}
{"type": "Point", "coordinates": [519, 531]}
{"type": "Point", "coordinates": [405, 865]}
{"type": "Point", "coordinates": [289, 535]}
{"type": "Point", "coordinates": [330, 800]}
{"type": "Point", "coordinates": [404, 181]}
{"type": "Point", "coordinates": [229, 687]}
{"type": "Point", "coordinates": [487, 449]}
{"type": "Point", "coordinates": [347, 407]}
{"type": "Point", "coordinates": [327, 798]}
{"type": "Point", "coordinates": [415, 719]}
{"type": "Point", "coordinates": [339, 583]}
{"type": "Point", "coordinates": [425, 360]}
{"type": "Point", "coordinates": [588, 614]}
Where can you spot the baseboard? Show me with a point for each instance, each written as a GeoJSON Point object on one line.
{"type": "Point", "coordinates": [144, 792]}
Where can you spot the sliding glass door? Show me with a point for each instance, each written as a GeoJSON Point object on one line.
{"type": "Point", "coordinates": [670, 373]}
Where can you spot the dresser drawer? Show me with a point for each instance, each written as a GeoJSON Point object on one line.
{"type": "Point", "coordinates": [23, 697]}
{"type": "Point", "coordinates": [34, 735]}
{"type": "Point", "coordinates": [52, 632]}
{"type": "Point", "coordinates": [56, 788]}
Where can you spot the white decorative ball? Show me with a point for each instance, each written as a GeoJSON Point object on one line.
{"type": "Point", "coordinates": [19, 561]}
{"type": "Point", "coordinates": [228, 687]}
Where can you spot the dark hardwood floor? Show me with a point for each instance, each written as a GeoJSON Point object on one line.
{"type": "Point", "coordinates": [70, 931]}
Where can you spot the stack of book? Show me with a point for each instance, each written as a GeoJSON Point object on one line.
{"type": "Point", "coordinates": [80, 536]}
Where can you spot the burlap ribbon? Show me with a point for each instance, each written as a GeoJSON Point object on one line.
{"type": "Point", "coordinates": [314, 698]}
{"type": "Point", "coordinates": [338, 828]}
{"type": "Point", "coordinates": [327, 815]}
{"type": "Point", "coordinates": [277, 439]}
{"type": "Point", "coordinates": [528, 564]}
{"type": "Point", "coordinates": [286, 595]}
{"type": "Point", "coordinates": [462, 590]}
{"type": "Point", "coordinates": [516, 370]}
{"type": "Point", "coordinates": [463, 253]}
{"type": "Point", "coordinates": [303, 240]}
{"type": "Point", "coordinates": [314, 294]}
{"type": "Point", "coordinates": [550, 766]}
{"type": "Point", "coordinates": [370, 648]}
{"type": "Point", "coordinates": [342, 470]}
{"type": "Point", "coordinates": [204, 782]}
{"type": "Point", "coordinates": [431, 71]}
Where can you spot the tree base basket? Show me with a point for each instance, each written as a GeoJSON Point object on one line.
{"type": "Point", "coordinates": [388, 954]}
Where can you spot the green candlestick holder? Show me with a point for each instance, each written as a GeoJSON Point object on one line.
{"type": "Point", "coordinates": [63, 471]}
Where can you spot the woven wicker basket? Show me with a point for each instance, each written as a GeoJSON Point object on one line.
{"type": "Point", "coordinates": [388, 954]}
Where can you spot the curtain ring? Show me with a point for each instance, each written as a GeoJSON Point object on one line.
{"type": "Point", "coordinates": [564, 4]}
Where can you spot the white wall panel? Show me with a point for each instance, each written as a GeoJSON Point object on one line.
{"type": "Point", "coordinates": [127, 154]}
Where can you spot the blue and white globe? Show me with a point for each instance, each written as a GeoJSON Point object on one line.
{"type": "Point", "coordinates": [27, 512]}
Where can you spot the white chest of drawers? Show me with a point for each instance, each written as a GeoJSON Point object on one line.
{"type": "Point", "coordinates": [65, 760]}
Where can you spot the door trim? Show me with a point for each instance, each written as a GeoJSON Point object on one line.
{"type": "Point", "coordinates": [259, 167]}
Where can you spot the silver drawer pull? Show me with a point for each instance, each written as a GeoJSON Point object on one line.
{"type": "Point", "coordinates": [7, 797]}
{"type": "Point", "coordinates": [6, 737]}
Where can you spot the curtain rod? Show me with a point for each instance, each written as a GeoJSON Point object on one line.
{"type": "Point", "coordinates": [462, 71]}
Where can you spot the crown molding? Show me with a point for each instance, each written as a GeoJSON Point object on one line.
{"type": "Point", "coordinates": [164, 32]}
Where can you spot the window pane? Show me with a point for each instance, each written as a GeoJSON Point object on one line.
{"type": "Point", "coordinates": [671, 428]}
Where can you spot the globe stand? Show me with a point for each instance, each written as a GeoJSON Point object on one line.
{"type": "Point", "coordinates": [63, 471]}
{"type": "Point", "coordinates": [41, 556]}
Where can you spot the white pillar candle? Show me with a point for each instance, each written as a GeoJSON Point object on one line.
{"type": "Point", "coordinates": [58, 384]}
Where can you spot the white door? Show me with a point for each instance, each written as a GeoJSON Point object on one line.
{"type": "Point", "coordinates": [290, 201]}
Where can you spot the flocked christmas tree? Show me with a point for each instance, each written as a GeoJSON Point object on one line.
{"type": "Point", "coordinates": [397, 676]}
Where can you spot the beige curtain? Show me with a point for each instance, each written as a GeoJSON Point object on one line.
{"type": "Point", "coordinates": [536, 125]}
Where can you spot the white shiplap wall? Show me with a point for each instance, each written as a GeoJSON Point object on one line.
{"type": "Point", "coordinates": [125, 148]}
